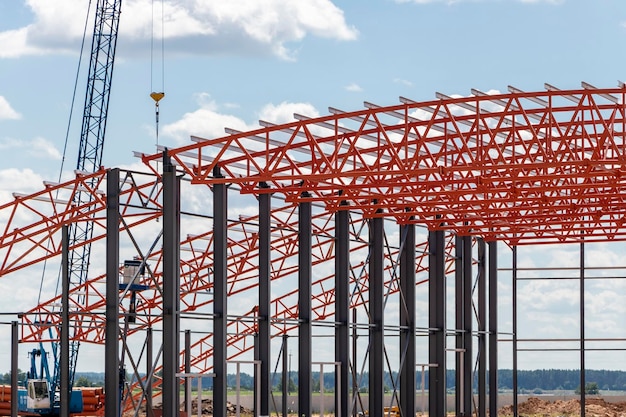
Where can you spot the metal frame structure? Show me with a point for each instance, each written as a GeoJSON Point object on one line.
{"type": "Point", "coordinates": [522, 168]}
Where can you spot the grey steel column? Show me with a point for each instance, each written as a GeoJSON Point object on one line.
{"type": "Point", "coordinates": [64, 359]}
{"type": "Point", "coordinates": [407, 319]}
{"type": "Point", "coordinates": [171, 287]}
{"type": "Point", "coordinates": [14, 366]}
{"type": "Point", "coordinates": [111, 345]}
{"type": "Point", "coordinates": [285, 377]}
{"type": "Point", "coordinates": [188, 370]}
{"type": "Point", "coordinates": [437, 324]}
{"type": "Point", "coordinates": [149, 372]}
{"type": "Point", "coordinates": [265, 314]}
{"type": "Point", "coordinates": [468, 314]}
{"type": "Point", "coordinates": [482, 329]}
{"type": "Point", "coordinates": [304, 310]}
{"type": "Point", "coordinates": [376, 306]}
{"type": "Point", "coordinates": [220, 245]}
{"type": "Point", "coordinates": [458, 324]}
{"type": "Point", "coordinates": [514, 302]}
{"type": "Point", "coordinates": [583, 381]}
{"type": "Point", "coordinates": [342, 310]}
{"type": "Point", "coordinates": [493, 328]}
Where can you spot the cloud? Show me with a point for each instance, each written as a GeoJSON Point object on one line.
{"type": "Point", "coordinates": [38, 147]}
{"type": "Point", "coordinates": [190, 27]}
{"type": "Point", "coordinates": [403, 81]}
{"type": "Point", "coordinates": [6, 111]}
{"type": "Point", "coordinates": [355, 88]}
{"type": "Point", "coordinates": [477, 1]}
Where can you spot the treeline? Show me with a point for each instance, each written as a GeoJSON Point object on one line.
{"type": "Point", "coordinates": [540, 379]}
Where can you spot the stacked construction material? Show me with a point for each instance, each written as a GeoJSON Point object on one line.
{"type": "Point", "coordinates": [5, 400]}
{"type": "Point", "coordinates": [93, 399]}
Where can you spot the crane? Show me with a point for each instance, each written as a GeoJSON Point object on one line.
{"type": "Point", "coordinates": [100, 73]}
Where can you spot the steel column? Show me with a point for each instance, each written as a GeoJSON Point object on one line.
{"type": "Point", "coordinates": [149, 372]}
{"type": "Point", "coordinates": [342, 310]}
{"type": "Point", "coordinates": [263, 339]}
{"type": "Point", "coordinates": [407, 319]}
{"type": "Point", "coordinates": [464, 314]}
{"type": "Point", "coordinates": [583, 381]}
{"type": "Point", "coordinates": [285, 377]}
{"type": "Point", "coordinates": [304, 309]}
{"type": "Point", "coordinates": [188, 371]}
{"type": "Point", "coordinates": [111, 345]}
{"type": "Point", "coordinates": [15, 337]}
{"type": "Point", "coordinates": [482, 329]}
{"type": "Point", "coordinates": [220, 245]}
{"type": "Point", "coordinates": [64, 358]}
{"type": "Point", "coordinates": [171, 287]}
{"type": "Point", "coordinates": [376, 322]}
{"type": "Point", "coordinates": [493, 328]}
{"type": "Point", "coordinates": [514, 319]}
{"type": "Point", "coordinates": [458, 324]}
{"type": "Point", "coordinates": [437, 324]}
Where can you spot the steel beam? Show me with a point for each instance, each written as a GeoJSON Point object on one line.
{"type": "Point", "coordinates": [263, 339]}
{"type": "Point", "coordinates": [220, 245]}
{"type": "Point", "coordinates": [407, 320]}
{"type": "Point", "coordinates": [111, 345]}
{"type": "Point", "coordinates": [304, 310]}
{"type": "Point", "coordinates": [376, 321]}
{"type": "Point", "coordinates": [171, 287]}
{"type": "Point", "coordinates": [436, 324]}
{"type": "Point", "coordinates": [342, 310]}
{"type": "Point", "coordinates": [493, 328]}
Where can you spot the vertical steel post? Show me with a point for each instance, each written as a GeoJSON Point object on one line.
{"type": "Point", "coordinates": [437, 324]}
{"type": "Point", "coordinates": [263, 339]}
{"type": "Point", "coordinates": [14, 366]}
{"type": "Point", "coordinates": [376, 306]}
{"type": "Point", "coordinates": [407, 319]}
{"type": "Point", "coordinates": [285, 377]}
{"type": "Point", "coordinates": [188, 371]}
{"type": "Point", "coordinates": [493, 328]}
{"type": "Point", "coordinates": [342, 310]}
{"type": "Point", "coordinates": [171, 287]}
{"type": "Point", "coordinates": [459, 305]}
{"type": "Point", "coordinates": [111, 345]}
{"type": "Point", "coordinates": [514, 289]}
{"type": "Point", "coordinates": [583, 380]}
{"type": "Point", "coordinates": [64, 359]}
{"type": "Point", "coordinates": [482, 329]}
{"type": "Point", "coordinates": [149, 372]}
{"type": "Point", "coordinates": [304, 309]}
{"type": "Point", "coordinates": [220, 245]}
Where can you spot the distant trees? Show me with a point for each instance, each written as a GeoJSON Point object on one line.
{"type": "Point", "coordinates": [591, 388]}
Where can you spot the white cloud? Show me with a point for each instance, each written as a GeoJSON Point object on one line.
{"type": "Point", "coordinates": [477, 1]}
{"type": "Point", "coordinates": [283, 112]}
{"type": "Point", "coordinates": [38, 147]}
{"type": "Point", "coordinates": [6, 111]}
{"type": "Point", "coordinates": [190, 27]}
{"type": "Point", "coordinates": [403, 81]}
{"type": "Point", "coordinates": [353, 87]}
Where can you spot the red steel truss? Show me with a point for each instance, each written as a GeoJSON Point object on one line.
{"type": "Point", "coordinates": [524, 167]}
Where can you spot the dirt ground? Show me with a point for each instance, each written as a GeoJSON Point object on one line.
{"type": "Point", "coordinates": [594, 407]}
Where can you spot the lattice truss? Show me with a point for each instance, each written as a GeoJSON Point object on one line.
{"type": "Point", "coordinates": [541, 167]}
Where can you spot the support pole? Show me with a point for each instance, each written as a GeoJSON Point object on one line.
{"type": "Point", "coordinates": [171, 287]}
{"type": "Point", "coordinates": [149, 372]}
{"type": "Point", "coordinates": [263, 339]}
{"type": "Point", "coordinates": [342, 310]}
{"type": "Point", "coordinates": [14, 365]}
{"type": "Point", "coordinates": [285, 377]}
{"type": "Point", "coordinates": [220, 245]}
{"type": "Point", "coordinates": [111, 344]}
{"type": "Point", "coordinates": [188, 371]}
{"type": "Point", "coordinates": [407, 319]}
{"type": "Point", "coordinates": [304, 310]}
{"type": "Point", "coordinates": [459, 306]}
{"type": "Point", "coordinates": [437, 324]}
{"type": "Point", "coordinates": [493, 328]}
{"type": "Point", "coordinates": [583, 381]}
{"type": "Point", "coordinates": [64, 359]}
{"type": "Point", "coordinates": [376, 322]}
{"type": "Point", "coordinates": [514, 289]}
{"type": "Point", "coordinates": [482, 329]}
{"type": "Point", "coordinates": [468, 315]}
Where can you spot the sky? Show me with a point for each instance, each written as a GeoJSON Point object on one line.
{"type": "Point", "coordinates": [231, 64]}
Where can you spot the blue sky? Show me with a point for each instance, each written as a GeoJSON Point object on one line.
{"type": "Point", "coordinates": [233, 63]}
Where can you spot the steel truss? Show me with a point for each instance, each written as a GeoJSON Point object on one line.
{"type": "Point", "coordinates": [523, 168]}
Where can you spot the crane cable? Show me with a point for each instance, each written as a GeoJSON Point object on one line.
{"type": "Point", "coordinates": [157, 96]}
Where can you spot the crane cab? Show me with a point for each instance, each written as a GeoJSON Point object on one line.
{"type": "Point", "coordinates": [38, 394]}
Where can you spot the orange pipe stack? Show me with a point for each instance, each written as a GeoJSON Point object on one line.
{"type": "Point", "coordinates": [5, 400]}
{"type": "Point", "coordinates": [93, 399]}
